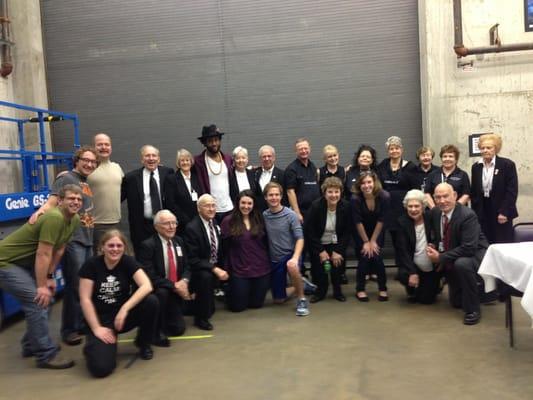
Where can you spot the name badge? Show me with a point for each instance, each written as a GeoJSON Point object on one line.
{"type": "Point", "coordinates": [178, 251]}
{"type": "Point", "coordinates": [441, 247]}
{"type": "Point", "coordinates": [194, 196]}
{"type": "Point", "coordinates": [334, 238]}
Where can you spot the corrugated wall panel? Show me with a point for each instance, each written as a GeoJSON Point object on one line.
{"type": "Point", "coordinates": [341, 72]}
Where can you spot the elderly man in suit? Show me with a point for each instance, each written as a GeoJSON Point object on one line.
{"type": "Point", "coordinates": [459, 247]}
{"type": "Point", "coordinates": [164, 259]}
{"type": "Point", "coordinates": [267, 172]}
{"type": "Point", "coordinates": [204, 250]}
{"type": "Point", "coordinates": [142, 188]}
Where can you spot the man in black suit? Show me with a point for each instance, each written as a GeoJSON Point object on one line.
{"type": "Point", "coordinates": [266, 173]}
{"type": "Point", "coordinates": [142, 189]}
{"type": "Point", "coordinates": [204, 251]}
{"type": "Point", "coordinates": [164, 259]}
{"type": "Point", "coordinates": [459, 247]}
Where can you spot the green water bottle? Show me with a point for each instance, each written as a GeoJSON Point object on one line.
{"type": "Point", "coordinates": [327, 266]}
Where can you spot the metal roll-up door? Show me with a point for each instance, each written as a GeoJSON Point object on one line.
{"type": "Point", "coordinates": [341, 72]}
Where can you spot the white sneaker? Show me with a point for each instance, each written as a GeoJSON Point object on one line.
{"type": "Point", "coordinates": [302, 307]}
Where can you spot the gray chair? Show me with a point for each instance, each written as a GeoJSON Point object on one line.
{"type": "Point", "coordinates": [523, 232]}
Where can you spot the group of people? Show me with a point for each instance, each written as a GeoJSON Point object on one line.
{"type": "Point", "coordinates": [217, 224]}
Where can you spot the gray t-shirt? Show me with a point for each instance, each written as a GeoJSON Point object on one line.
{"type": "Point", "coordinates": [84, 234]}
{"type": "Point", "coordinates": [283, 230]}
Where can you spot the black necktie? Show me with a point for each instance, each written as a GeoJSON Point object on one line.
{"type": "Point", "coordinates": [154, 194]}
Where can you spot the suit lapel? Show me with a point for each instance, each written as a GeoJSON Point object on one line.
{"type": "Point", "coordinates": [140, 188]}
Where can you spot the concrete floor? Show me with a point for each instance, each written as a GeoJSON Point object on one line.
{"type": "Point", "coordinates": [346, 350]}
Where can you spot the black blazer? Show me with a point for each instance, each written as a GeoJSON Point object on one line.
{"type": "Point", "coordinates": [278, 175]}
{"type": "Point", "coordinates": [151, 257]}
{"type": "Point", "coordinates": [132, 191]}
{"type": "Point", "coordinates": [466, 238]}
{"type": "Point", "coordinates": [316, 223]}
{"type": "Point", "coordinates": [178, 198]}
{"type": "Point", "coordinates": [234, 185]}
{"type": "Point", "coordinates": [504, 188]}
{"type": "Point", "coordinates": [198, 247]}
{"type": "Point", "coordinates": [407, 243]}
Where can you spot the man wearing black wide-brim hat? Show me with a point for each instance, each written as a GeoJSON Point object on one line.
{"type": "Point", "coordinates": [214, 170]}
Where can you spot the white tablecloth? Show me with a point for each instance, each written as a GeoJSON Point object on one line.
{"type": "Point", "coordinates": [513, 264]}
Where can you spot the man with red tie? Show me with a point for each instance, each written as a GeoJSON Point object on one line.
{"type": "Point", "coordinates": [164, 259]}
{"type": "Point", "coordinates": [204, 251]}
{"type": "Point", "coordinates": [458, 247]}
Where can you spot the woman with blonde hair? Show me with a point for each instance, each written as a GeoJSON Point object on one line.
{"type": "Point", "coordinates": [494, 190]}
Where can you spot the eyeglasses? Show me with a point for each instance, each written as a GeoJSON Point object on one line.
{"type": "Point", "coordinates": [89, 161]}
{"type": "Point", "coordinates": [168, 224]}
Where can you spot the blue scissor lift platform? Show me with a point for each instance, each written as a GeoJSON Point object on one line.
{"type": "Point", "coordinates": [16, 208]}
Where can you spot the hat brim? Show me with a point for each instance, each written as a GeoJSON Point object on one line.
{"type": "Point", "coordinates": [217, 134]}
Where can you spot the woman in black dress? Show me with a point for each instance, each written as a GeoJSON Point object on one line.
{"type": "Point", "coordinates": [331, 167]}
{"type": "Point", "coordinates": [110, 305]}
{"type": "Point", "coordinates": [369, 207]}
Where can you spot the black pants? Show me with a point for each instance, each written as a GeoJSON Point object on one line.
{"type": "Point", "coordinates": [363, 268]}
{"type": "Point", "coordinates": [170, 319]}
{"type": "Point", "coordinates": [202, 284]}
{"type": "Point", "coordinates": [428, 286]}
{"type": "Point", "coordinates": [247, 292]}
{"type": "Point", "coordinates": [320, 278]}
{"type": "Point", "coordinates": [101, 358]}
{"type": "Point", "coordinates": [462, 284]}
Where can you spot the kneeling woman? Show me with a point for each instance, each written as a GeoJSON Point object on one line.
{"type": "Point", "coordinates": [415, 270]}
{"type": "Point", "coordinates": [370, 203]}
{"type": "Point", "coordinates": [110, 307]}
{"type": "Point", "coordinates": [246, 254]}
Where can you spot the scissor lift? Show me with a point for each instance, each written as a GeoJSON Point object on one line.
{"type": "Point", "coordinates": [15, 208]}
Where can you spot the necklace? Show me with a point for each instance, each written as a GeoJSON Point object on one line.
{"type": "Point", "coordinates": [208, 161]}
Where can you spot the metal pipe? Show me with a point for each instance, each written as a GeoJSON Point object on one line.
{"type": "Point", "coordinates": [458, 24]}
{"type": "Point", "coordinates": [463, 51]}
{"type": "Point", "coordinates": [6, 66]}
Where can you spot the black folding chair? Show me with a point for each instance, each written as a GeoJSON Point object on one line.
{"type": "Point", "coordinates": [523, 232]}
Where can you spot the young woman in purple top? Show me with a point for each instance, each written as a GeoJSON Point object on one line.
{"type": "Point", "coordinates": [245, 254]}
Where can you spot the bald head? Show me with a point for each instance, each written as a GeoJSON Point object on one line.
{"type": "Point", "coordinates": [445, 197]}
{"type": "Point", "coordinates": [102, 144]}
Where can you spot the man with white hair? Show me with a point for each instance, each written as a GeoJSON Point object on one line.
{"type": "Point", "coordinates": [142, 188]}
{"type": "Point", "coordinates": [459, 246]}
{"type": "Point", "coordinates": [204, 251]}
{"type": "Point", "coordinates": [164, 259]}
{"type": "Point", "coordinates": [267, 172]}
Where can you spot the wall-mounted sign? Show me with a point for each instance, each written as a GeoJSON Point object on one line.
{"type": "Point", "coordinates": [473, 141]}
{"type": "Point", "coordinates": [528, 15]}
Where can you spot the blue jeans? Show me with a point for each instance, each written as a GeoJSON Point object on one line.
{"type": "Point", "coordinates": [72, 318]}
{"type": "Point", "coordinates": [20, 283]}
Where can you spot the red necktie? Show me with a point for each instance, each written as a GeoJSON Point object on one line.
{"type": "Point", "coordinates": [172, 270]}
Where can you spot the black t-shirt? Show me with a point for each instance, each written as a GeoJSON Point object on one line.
{"type": "Point", "coordinates": [112, 287]}
{"type": "Point", "coordinates": [418, 178]}
{"type": "Point", "coordinates": [304, 182]}
{"type": "Point", "coordinates": [325, 173]}
{"type": "Point", "coordinates": [458, 179]}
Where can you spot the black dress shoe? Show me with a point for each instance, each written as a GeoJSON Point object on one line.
{"type": "Point", "coordinates": [146, 352]}
{"type": "Point", "coordinates": [472, 318]}
{"type": "Point", "coordinates": [203, 324]}
{"type": "Point", "coordinates": [316, 298]}
{"type": "Point", "coordinates": [363, 299]}
{"type": "Point", "coordinates": [161, 341]}
{"type": "Point", "coordinates": [339, 297]}
{"type": "Point", "coordinates": [383, 298]}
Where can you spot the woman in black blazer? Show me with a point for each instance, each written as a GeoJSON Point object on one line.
{"type": "Point", "coordinates": [494, 190]}
{"type": "Point", "coordinates": [182, 190]}
{"type": "Point", "coordinates": [242, 178]}
{"type": "Point", "coordinates": [415, 270]}
{"type": "Point", "coordinates": [328, 233]}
